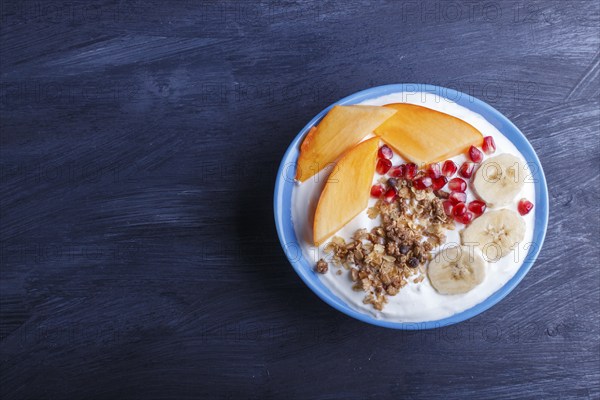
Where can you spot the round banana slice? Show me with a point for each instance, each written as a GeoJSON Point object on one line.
{"type": "Point", "coordinates": [456, 270]}
{"type": "Point", "coordinates": [495, 233]}
{"type": "Point", "coordinates": [498, 179]}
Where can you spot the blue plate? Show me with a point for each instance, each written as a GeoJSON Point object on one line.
{"type": "Point", "coordinates": [304, 268]}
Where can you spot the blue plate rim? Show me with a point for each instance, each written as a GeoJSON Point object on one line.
{"type": "Point", "coordinates": [286, 233]}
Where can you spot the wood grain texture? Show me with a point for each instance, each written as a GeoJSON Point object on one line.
{"type": "Point", "coordinates": [139, 147]}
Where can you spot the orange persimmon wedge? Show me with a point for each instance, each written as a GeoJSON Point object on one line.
{"type": "Point", "coordinates": [346, 192]}
{"type": "Point", "coordinates": [341, 129]}
{"type": "Point", "coordinates": [422, 135]}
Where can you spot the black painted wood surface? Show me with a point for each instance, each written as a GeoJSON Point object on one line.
{"type": "Point", "coordinates": [139, 147]}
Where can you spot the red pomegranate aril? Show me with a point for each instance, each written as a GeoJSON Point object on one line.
{"type": "Point", "coordinates": [377, 191]}
{"type": "Point", "coordinates": [457, 185]}
{"type": "Point", "coordinates": [442, 194]}
{"type": "Point", "coordinates": [397, 171]}
{"type": "Point", "coordinates": [459, 209]}
{"type": "Point", "coordinates": [475, 154]}
{"type": "Point", "coordinates": [466, 218]}
{"type": "Point", "coordinates": [434, 171]}
{"type": "Point", "coordinates": [385, 152]}
{"type": "Point", "coordinates": [489, 146]}
{"type": "Point", "coordinates": [448, 207]}
{"type": "Point", "coordinates": [449, 168]}
{"type": "Point", "coordinates": [390, 195]}
{"type": "Point", "coordinates": [525, 206]}
{"type": "Point", "coordinates": [422, 183]}
{"type": "Point", "coordinates": [477, 207]}
{"type": "Point", "coordinates": [457, 197]}
{"type": "Point", "coordinates": [383, 165]}
{"type": "Point", "coordinates": [439, 182]}
{"type": "Point", "coordinates": [466, 170]}
{"type": "Point", "coordinates": [411, 170]}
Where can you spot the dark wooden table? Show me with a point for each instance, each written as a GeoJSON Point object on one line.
{"type": "Point", "coordinates": [139, 148]}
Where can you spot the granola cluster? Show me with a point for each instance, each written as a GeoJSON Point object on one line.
{"type": "Point", "coordinates": [381, 261]}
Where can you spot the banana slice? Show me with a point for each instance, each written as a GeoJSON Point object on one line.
{"type": "Point", "coordinates": [498, 179]}
{"type": "Point", "coordinates": [456, 270]}
{"type": "Point", "coordinates": [495, 233]}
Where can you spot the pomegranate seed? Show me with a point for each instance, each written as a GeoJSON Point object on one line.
{"type": "Point", "coordinates": [475, 154]}
{"type": "Point", "coordinates": [383, 165]}
{"type": "Point", "coordinates": [457, 185]}
{"type": "Point", "coordinates": [457, 197]}
{"type": "Point", "coordinates": [434, 171]}
{"type": "Point", "coordinates": [442, 194]}
{"type": "Point", "coordinates": [459, 209]}
{"type": "Point", "coordinates": [525, 206]}
{"type": "Point", "coordinates": [448, 207]}
{"type": "Point", "coordinates": [377, 191]}
{"type": "Point", "coordinates": [466, 218]}
{"type": "Point", "coordinates": [489, 146]}
{"type": "Point", "coordinates": [390, 195]}
{"type": "Point", "coordinates": [422, 183]}
{"type": "Point", "coordinates": [439, 182]}
{"type": "Point", "coordinates": [449, 168]}
{"type": "Point", "coordinates": [411, 170]}
{"type": "Point", "coordinates": [466, 170]}
{"type": "Point", "coordinates": [477, 207]}
{"type": "Point", "coordinates": [397, 171]}
{"type": "Point", "coordinates": [385, 152]}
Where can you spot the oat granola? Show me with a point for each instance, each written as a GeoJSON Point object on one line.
{"type": "Point", "coordinates": [381, 261]}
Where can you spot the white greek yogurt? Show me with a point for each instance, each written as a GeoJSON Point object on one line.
{"type": "Point", "coordinates": [416, 302]}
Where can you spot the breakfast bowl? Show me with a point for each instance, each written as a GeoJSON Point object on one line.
{"type": "Point", "coordinates": [455, 216]}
